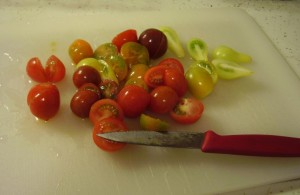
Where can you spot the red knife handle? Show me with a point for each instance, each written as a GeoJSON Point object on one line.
{"type": "Point", "coordinates": [251, 145]}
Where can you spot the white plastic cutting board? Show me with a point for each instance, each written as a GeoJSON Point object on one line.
{"type": "Point", "coordinates": [59, 157]}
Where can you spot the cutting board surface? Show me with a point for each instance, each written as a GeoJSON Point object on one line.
{"type": "Point", "coordinates": [59, 156]}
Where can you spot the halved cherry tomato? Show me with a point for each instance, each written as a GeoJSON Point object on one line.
{"type": "Point", "coordinates": [187, 111]}
{"type": "Point", "coordinates": [44, 100]}
{"type": "Point", "coordinates": [154, 76]}
{"type": "Point", "coordinates": [105, 108]}
{"type": "Point", "coordinates": [35, 70]}
{"type": "Point", "coordinates": [108, 125]}
{"type": "Point", "coordinates": [55, 69]}
{"type": "Point", "coordinates": [163, 99]}
{"type": "Point", "coordinates": [172, 63]}
{"type": "Point", "coordinates": [79, 50]}
{"type": "Point", "coordinates": [176, 80]}
{"type": "Point", "coordinates": [133, 100]}
{"type": "Point", "coordinates": [109, 89]}
{"type": "Point", "coordinates": [129, 35]}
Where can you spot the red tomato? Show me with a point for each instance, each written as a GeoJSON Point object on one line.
{"type": "Point", "coordinates": [163, 99]}
{"type": "Point", "coordinates": [133, 100]}
{"type": "Point", "coordinates": [105, 108]}
{"type": "Point", "coordinates": [44, 100]}
{"type": "Point", "coordinates": [108, 125]}
{"type": "Point", "coordinates": [172, 63]}
{"type": "Point", "coordinates": [129, 35]}
{"type": "Point", "coordinates": [176, 80]}
{"type": "Point", "coordinates": [55, 69]}
{"type": "Point", "coordinates": [79, 50]}
{"type": "Point", "coordinates": [86, 74]}
{"type": "Point", "coordinates": [91, 87]}
{"type": "Point", "coordinates": [187, 111]}
{"type": "Point", "coordinates": [36, 71]}
{"type": "Point", "coordinates": [82, 102]}
{"type": "Point", "coordinates": [154, 76]}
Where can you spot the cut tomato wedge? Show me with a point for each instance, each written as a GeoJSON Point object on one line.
{"type": "Point", "coordinates": [187, 111]}
{"type": "Point", "coordinates": [55, 69]}
{"type": "Point", "coordinates": [154, 76]}
{"type": "Point", "coordinates": [35, 70]}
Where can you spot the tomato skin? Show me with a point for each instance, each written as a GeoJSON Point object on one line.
{"type": "Point", "coordinates": [36, 71]}
{"type": "Point", "coordinates": [176, 80]}
{"type": "Point", "coordinates": [154, 76]}
{"type": "Point", "coordinates": [133, 100]}
{"type": "Point", "coordinates": [163, 99]}
{"type": "Point", "coordinates": [129, 35]}
{"type": "Point", "coordinates": [79, 50]}
{"type": "Point", "coordinates": [91, 87]}
{"type": "Point", "coordinates": [187, 111]}
{"type": "Point", "coordinates": [55, 70]}
{"type": "Point", "coordinates": [108, 125]}
{"type": "Point", "coordinates": [82, 102]}
{"type": "Point", "coordinates": [86, 74]}
{"type": "Point", "coordinates": [105, 108]}
{"type": "Point", "coordinates": [44, 100]}
{"type": "Point", "coordinates": [172, 63]}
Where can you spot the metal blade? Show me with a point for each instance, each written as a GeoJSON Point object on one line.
{"type": "Point", "coordinates": [178, 139]}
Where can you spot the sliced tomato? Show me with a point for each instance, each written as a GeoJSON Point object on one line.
{"type": "Point", "coordinates": [176, 80]}
{"type": "Point", "coordinates": [35, 70]}
{"type": "Point", "coordinates": [172, 63]}
{"type": "Point", "coordinates": [55, 70]}
{"type": "Point", "coordinates": [129, 35]}
{"type": "Point", "coordinates": [154, 76]}
{"type": "Point", "coordinates": [105, 108]}
{"type": "Point", "coordinates": [187, 111]}
{"type": "Point", "coordinates": [108, 125]}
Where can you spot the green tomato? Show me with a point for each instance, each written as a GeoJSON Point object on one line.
{"type": "Point", "coordinates": [134, 53]}
{"type": "Point", "coordinates": [118, 65]}
{"type": "Point", "coordinates": [200, 82]}
{"type": "Point", "coordinates": [209, 67]}
{"type": "Point", "coordinates": [173, 41]}
{"type": "Point", "coordinates": [106, 72]}
{"type": "Point", "coordinates": [105, 50]}
{"type": "Point", "coordinates": [197, 49]}
{"type": "Point", "coordinates": [152, 124]}
{"type": "Point", "coordinates": [227, 53]}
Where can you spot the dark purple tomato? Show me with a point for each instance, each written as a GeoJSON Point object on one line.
{"type": "Point", "coordinates": [91, 87]}
{"type": "Point", "coordinates": [109, 89]}
{"type": "Point", "coordinates": [82, 102]}
{"type": "Point", "coordinates": [86, 74]}
{"type": "Point", "coordinates": [155, 41]}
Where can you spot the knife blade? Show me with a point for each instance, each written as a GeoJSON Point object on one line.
{"type": "Point", "coordinates": [211, 142]}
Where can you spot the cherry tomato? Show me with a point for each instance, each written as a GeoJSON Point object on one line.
{"type": "Point", "coordinates": [133, 100]}
{"type": "Point", "coordinates": [118, 65]}
{"type": "Point", "coordinates": [172, 63]}
{"type": "Point", "coordinates": [120, 39]}
{"type": "Point", "coordinates": [86, 74]}
{"type": "Point", "coordinates": [155, 41]}
{"type": "Point", "coordinates": [79, 50]}
{"type": "Point", "coordinates": [176, 80]}
{"type": "Point", "coordinates": [138, 82]}
{"type": "Point", "coordinates": [134, 53]}
{"type": "Point", "coordinates": [154, 77]}
{"type": "Point", "coordinates": [44, 100]}
{"type": "Point", "coordinates": [163, 99]}
{"type": "Point", "coordinates": [104, 50]}
{"type": "Point", "coordinates": [35, 70]}
{"type": "Point", "coordinates": [187, 111]}
{"type": "Point", "coordinates": [137, 71]}
{"type": "Point", "coordinates": [108, 125]}
{"type": "Point", "coordinates": [55, 70]}
{"type": "Point", "coordinates": [109, 89]}
{"type": "Point", "coordinates": [82, 102]}
{"type": "Point", "coordinates": [91, 87]}
{"type": "Point", "coordinates": [105, 108]}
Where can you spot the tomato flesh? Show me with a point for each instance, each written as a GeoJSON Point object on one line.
{"type": "Point", "coordinates": [187, 111]}
{"type": "Point", "coordinates": [105, 108]}
{"type": "Point", "coordinates": [44, 100]}
{"type": "Point", "coordinates": [108, 125]}
{"type": "Point", "coordinates": [154, 76]}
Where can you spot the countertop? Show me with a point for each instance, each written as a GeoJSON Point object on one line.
{"type": "Point", "coordinates": [280, 20]}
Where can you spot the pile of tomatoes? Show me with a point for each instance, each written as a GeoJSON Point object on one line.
{"type": "Point", "coordinates": [114, 81]}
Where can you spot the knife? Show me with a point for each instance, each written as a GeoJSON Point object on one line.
{"type": "Point", "coordinates": [211, 142]}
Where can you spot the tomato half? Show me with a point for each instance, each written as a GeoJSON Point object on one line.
{"type": "Point", "coordinates": [133, 100]}
{"type": "Point", "coordinates": [108, 125]}
{"type": "Point", "coordinates": [35, 70]}
{"type": "Point", "coordinates": [129, 35]}
{"type": "Point", "coordinates": [176, 80]}
{"type": "Point", "coordinates": [154, 76]}
{"type": "Point", "coordinates": [44, 100]}
{"type": "Point", "coordinates": [187, 111]}
{"type": "Point", "coordinates": [172, 63]}
{"type": "Point", "coordinates": [163, 99]}
{"type": "Point", "coordinates": [55, 70]}
{"type": "Point", "coordinates": [105, 108]}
